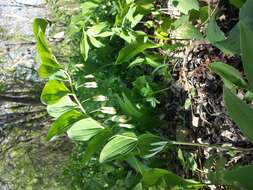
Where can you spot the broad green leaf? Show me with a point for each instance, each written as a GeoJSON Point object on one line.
{"type": "Point", "coordinates": [129, 108]}
{"type": "Point", "coordinates": [49, 64]}
{"type": "Point", "coordinates": [185, 30]}
{"type": "Point", "coordinates": [214, 34]}
{"type": "Point", "coordinates": [240, 112]}
{"type": "Point", "coordinates": [46, 70]}
{"type": "Point", "coordinates": [96, 29]}
{"type": "Point", "coordinates": [153, 176]}
{"type": "Point", "coordinates": [59, 75]}
{"type": "Point", "coordinates": [231, 45]}
{"type": "Point", "coordinates": [247, 52]}
{"type": "Point", "coordinates": [185, 6]}
{"type": "Point", "coordinates": [84, 129]}
{"type": "Point", "coordinates": [136, 164]}
{"type": "Point", "coordinates": [63, 122]}
{"type": "Point", "coordinates": [149, 145]}
{"type": "Point", "coordinates": [246, 14]}
{"type": "Point", "coordinates": [39, 24]}
{"type": "Point", "coordinates": [84, 46]}
{"type": "Point", "coordinates": [63, 105]}
{"type": "Point", "coordinates": [120, 145]}
{"type": "Point", "coordinates": [96, 143]}
{"type": "Point", "coordinates": [228, 73]}
{"type": "Point", "coordinates": [133, 49]}
{"type": "Point", "coordinates": [237, 3]}
{"type": "Point", "coordinates": [240, 177]}
{"type": "Point", "coordinates": [138, 187]}
{"type": "Point", "coordinates": [144, 6]}
{"type": "Point", "coordinates": [203, 13]}
{"type": "Point", "coordinates": [95, 42]}
{"type": "Point", "coordinates": [88, 7]}
{"type": "Point", "coordinates": [53, 91]}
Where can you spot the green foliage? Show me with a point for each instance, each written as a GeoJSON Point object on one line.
{"type": "Point", "coordinates": [229, 74]}
{"type": "Point", "coordinates": [185, 6]}
{"type": "Point", "coordinates": [120, 145]}
{"type": "Point", "coordinates": [53, 91]}
{"type": "Point", "coordinates": [246, 51]}
{"type": "Point", "coordinates": [84, 129]}
{"type": "Point", "coordinates": [63, 122]}
{"type": "Point", "coordinates": [49, 64]}
{"type": "Point", "coordinates": [63, 105]}
{"type": "Point", "coordinates": [107, 97]}
{"type": "Point", "coordinates": [240, 112]}
{"type": "Point", "coordinates": [239, 177]}
{"type": "Point", "coordinates": [134, 48]}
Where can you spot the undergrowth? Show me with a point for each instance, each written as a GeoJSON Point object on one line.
{"type": "Point", "coordinates": [110, 95]}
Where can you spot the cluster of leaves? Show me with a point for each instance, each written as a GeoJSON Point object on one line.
{"type": "Point", "coordinates": [107, 101]}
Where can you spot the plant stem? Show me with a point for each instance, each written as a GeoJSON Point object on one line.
{"type": "Point", "coordinates": [162, 90]}
{"type": "Point", "coordinates": [73, 92]}
{"type": "Point", "coordinates": [211, 146]}
{"type": "Point", "coordinates": [166, 38]}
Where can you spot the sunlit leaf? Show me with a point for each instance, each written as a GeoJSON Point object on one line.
{"type": "Point", "coordinates": [53, 91]}
{"type": "Point", "coordinates": [63, 105]}
{"type": "Point", "coordinates": [63, 122]}
{"type": "Point", "coordinates": [128, 107]}
{"type": "Point", "coordinates": [133, 49]}
{"type": "Point", "coordinates": [84, 46]}
{"type": "Point", "coordinates": [118, 146]}
{"type": "Point", "coordinates": [185, 6]}
{"type": "Point", "coordinates": [153, 176]}
{"type": "Point", "coordinates": [96, 143]}
{"type": "Point", "coordinates": [84, 129]}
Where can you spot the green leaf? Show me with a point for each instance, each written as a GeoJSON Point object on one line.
{"type": "Point", "coordinates": [95, 42]}
{"type": "Point", "coordinates": [185, 30]}
{"type": "Point", "coordinates": [96, 29]}
{"type": "Point", "coordinates": [246, 51]}
{"type": "Point", "coordinates": [133, 49]}
{"type": "Point", "coordinates": [240, 177]}
{"type": "Point", "coordinates": [231, 45]}
{"type": "Point", "coordinates": [84, 129]}
{"type": "Point", "coordinates": [228, 73]}
{"type": "Point", "coordinates": [119, 145]}
{"type": "Point", "coordinates": [84, 46]}
{"type": "Point", "coordinates": [240, 112]}
{"type": "Point", "coordinates": [214, 34]}
{"type": "Point", "coordinates": [96, 143]}
{"type": "Point", "coordinates": [138, 187]}
{"type": "Point", "coordinates": [237, 3]}
{"type": "Point", "coordinates": [185, 6]}
{"type": "Point", "coordinates": [136, 164]}
{"type": "Point", "coordinates": [63, 105]}
{"type": "Point", "coordinates": [129, 108]}
{"type": "Point", "coordinates": [39, 24]}
{"type": "Point", "coordinates": [149, 145]}
{"type": "Point", "coordinates": [49, 64]}
{"type": "Point", "coordinates": [53, 91]}
{"type": "Point", "coordinates": [153, 176]}
{"type": "Point", "coordinates": [62, 124]}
